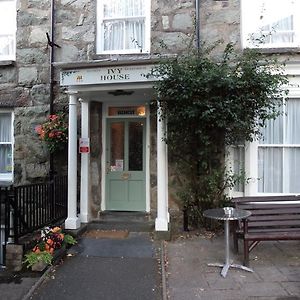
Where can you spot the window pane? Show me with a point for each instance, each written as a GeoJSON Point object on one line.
{"type": "Point", "coordinates": [119, 35]}
{"type": "Point", "coordinates": [7, 29]}
{"type": "Point", "coordinates": [292, 121]}
{"type": "Point", "coordinates": [273, 131]}
{"type": "Point", "coordinates": [270, 22]}
{"type": "Point", "coordinates": [5, 159]}
{"type": "Point", "coordinates": [113, 35]}
{"type": "Point", "coordinates": [238, 166]}
{"type": "Point", "coordinates": [123, 8]}
{"type": "Point", "coordinates": [117, 147]}
{"type": "Point", "coordinates": [270, 170]}
{"type": "Point", "coordinates": [123, 24]}
{"type": "Point", "coordinates": [5, 127]}
{"type": "Point", "coordinates": [292, 170]}
{"type": "Point", "coordinates": [136, 146]}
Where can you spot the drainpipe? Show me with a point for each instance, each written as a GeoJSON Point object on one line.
{"type": "Point", "coordinates": [198, 42]}
{"type": "Point", "coordinates": [51, 75]}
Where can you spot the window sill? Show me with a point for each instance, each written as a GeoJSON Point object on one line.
{"type": "Point", "coordinates": [7, 63]}
{"type": "Point", "coordinates": [281, 50]}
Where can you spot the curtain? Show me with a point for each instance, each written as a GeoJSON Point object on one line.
{"type": "Point", "coordinates": [292, 129]}
{"type": "Point", "coordinates": [283, 31]}
{"type": "Point", "coordinates": [238, 166]}
{"type": "Point", "coordinates": [5, 137]}
{"type": "Point", "coordinates": [270, 170]}
{"type": "Point", "coordinates": [124, 24]}
{"type": "Point", "coordinates": [278, 167]}
{"type": "Point", "coordinates": [5, 127]}
{"type": "Point", "coordinates": [272, 132]}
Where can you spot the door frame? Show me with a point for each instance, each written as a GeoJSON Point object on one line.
{"type": "Point", "coordinates": [104, 146]}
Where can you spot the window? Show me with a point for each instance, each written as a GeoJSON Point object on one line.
{"type": "Point", "coordinates": [270, 24]}
{"type": "Point", "coordinates": [7, 29]}
{"type": "Point", "coordinates": [123, 26]}
{"type": "Point", "coordinates": [279, 152]}
{"type": "Point", "coordinates": [6, 146]}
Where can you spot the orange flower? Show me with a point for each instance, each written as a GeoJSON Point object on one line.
{"type": "Point", "coordinates": [56, 229]}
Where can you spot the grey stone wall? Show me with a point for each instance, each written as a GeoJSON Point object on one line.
{"type": "Point", "coordinates": [25, 85]}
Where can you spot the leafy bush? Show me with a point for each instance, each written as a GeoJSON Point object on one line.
{"type": "Point", "coordinates": [209, 102]}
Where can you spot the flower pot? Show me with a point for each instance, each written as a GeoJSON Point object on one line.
{"type": "Point", "coordinates": [39, 266]}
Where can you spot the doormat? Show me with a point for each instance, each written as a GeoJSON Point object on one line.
{"type": "Point", "coordinates": [106, 234]}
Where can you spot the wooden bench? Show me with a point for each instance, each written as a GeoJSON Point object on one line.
{"type": "Point", "coordinates": [272, 218]}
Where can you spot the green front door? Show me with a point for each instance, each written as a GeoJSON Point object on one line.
{"type": "Point", "coordinates": [125, 165]}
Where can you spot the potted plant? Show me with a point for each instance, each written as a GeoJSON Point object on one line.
{"type": "Point", "coordinates": [47, 247]}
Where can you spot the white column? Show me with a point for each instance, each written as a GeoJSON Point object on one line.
{"type": "Point", "coordinates": [251, 169]}
{"type": "Point", "coordinates": [85, 163]}
{"type": "Point", "coordinates": [72, 221]}
{"type": "Point", "coordinates": [162, 220]}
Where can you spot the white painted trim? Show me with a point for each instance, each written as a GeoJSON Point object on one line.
{"type": "Point", "coordinates": [9, 177]}
{"type": "Point", "coordinates": [99, 33]}
{"type": "Point", "coordinates": [251, 168]}
{"type": "Point", "coordinates": [148, 153]}
{"type": "Point", "coordinates": [72, 221]}
{"type": "Point", "coordinates": [85, 164]}
{"type": "Point", "coordinates": [162, 220]}
{"type": "Point", "coordinates": [103, 157]}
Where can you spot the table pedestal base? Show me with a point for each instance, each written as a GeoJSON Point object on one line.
{"type": "Point", "coordinates": [225, 267]}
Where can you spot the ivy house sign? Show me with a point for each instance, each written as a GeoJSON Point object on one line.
{"type": "Point", "coordinates": [106, 75]}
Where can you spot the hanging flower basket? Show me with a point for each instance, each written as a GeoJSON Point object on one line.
{"type": "Point", "coordinates": [54, 132]}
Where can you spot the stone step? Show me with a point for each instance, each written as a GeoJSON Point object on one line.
{"type": "Point", "coordinates": [131, 221]}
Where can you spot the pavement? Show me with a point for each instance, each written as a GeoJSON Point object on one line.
{"type": "Point", "coordinates": [134, 266]}
{"type": "Point", "coordinates": [276, 267]}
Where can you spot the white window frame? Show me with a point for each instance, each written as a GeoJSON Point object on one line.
{"type": "Point", "coordinates": [10, 35]}
{"type": "Point", "coordinates": [100, 32]}
{"type": "Point", "coordinates": [9, 176]}
{"type": "Point", "coordinates": [251, 155]}
{"type": "Point", "coordinates": [246, 32]}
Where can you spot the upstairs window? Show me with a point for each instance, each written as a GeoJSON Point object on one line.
{"type": "Point", "coordinates": [270, 24]}
{"type": "Point", "coordinates": [123, 26]}
{"type": "Point", "coordinates": [8, 26]}
{"type": "Point", "coordinates": [6, 146]}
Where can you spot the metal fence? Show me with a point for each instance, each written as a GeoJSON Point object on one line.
{"type": "Point", "coordinates": [27, 208]}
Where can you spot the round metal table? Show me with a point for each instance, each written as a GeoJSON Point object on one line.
{"type": "Point", "coordinates": [227, 214]}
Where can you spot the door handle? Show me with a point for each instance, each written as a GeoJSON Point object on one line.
{"type": "Point", "coordinates": [125, 176]}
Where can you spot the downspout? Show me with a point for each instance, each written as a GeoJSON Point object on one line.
{"type": "Point", "coordinates": [51, 76]}
{"type": "Point", "coordinates": [198, 45]}
{"type": "Point", "coordinates": [198, 42]}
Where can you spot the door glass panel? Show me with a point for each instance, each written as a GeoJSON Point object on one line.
{"type": "Point", "coordinates": [117, 146]}
{"type": "Point", "coordinates": [135, 146]}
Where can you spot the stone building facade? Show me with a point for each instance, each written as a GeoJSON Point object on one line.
{"type": "Point", "coordinates": [26, 87]}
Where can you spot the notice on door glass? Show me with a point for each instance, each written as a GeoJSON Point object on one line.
{"type": "Point", "coordinates": [118, 166]}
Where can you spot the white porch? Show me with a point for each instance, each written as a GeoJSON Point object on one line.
{"type": "Point", "coordinates": [81, 94]}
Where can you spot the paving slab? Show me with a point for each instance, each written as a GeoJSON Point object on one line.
{"type": "Point", "coordinates": [276, 268]}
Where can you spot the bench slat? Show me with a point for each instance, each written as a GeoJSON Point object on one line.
{"type": "Point", "coordinates": [274, 223]}
{"type": "Point", "coordinates": [272, 218]}
{"type": "Point", "coordinates": [266, 198]}
{"type": "Point", "coordinates": [255, 218]}
{"type": "Point", "coordinates": [258, 207]}
{"type": "Point", "coordinates": [272, 236]}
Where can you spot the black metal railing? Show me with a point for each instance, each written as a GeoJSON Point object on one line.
{"type": "Point", "coordinates": [5, 221]}
{"type": "Point", "coordinates": [38, 205]}
{"type": "Point", "coordinates": [27, 208]}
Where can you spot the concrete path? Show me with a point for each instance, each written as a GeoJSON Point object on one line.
{"type": "Point", "coordinates": [106, 268]}
{"type": "Point", "coordinates": [276, 268]}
